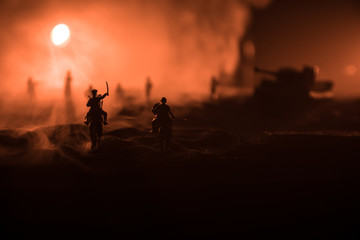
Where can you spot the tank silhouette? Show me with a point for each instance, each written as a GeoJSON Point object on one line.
{"type": "Point", "coordinates": [289, 83]}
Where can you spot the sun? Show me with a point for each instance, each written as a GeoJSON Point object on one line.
{"type": "Point", "coordinates": [60, 35]}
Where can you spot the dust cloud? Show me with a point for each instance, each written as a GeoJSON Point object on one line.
{"type": "Point", "coordinates": [180, 45]}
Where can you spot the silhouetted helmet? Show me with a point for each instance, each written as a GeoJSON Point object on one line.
{"type": "Point", "coordinates": [94, 91]}
{"type": "Point", "coordinates": [163, 100]}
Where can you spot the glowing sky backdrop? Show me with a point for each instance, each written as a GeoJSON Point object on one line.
{"type": "Point", "coordinates": [179, 44]}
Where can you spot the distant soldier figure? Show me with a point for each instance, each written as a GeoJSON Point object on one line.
{"type": "Point", "coordinates": [31, 88]}
{"type": "Point", "coordinates": [95, 104]}
{"type": "Point", "coordinates": [119, 93]}
{"type": "Point", "coordinates": [213, 88]}
{"type": "Point", "coordinates": [162, 114]}
{"type": "Point", "coordinates": [148, 87]}
{"type": "Point", "coordinates": [88, 91]}
{"type": "Point", "coordinates": [68, 80]}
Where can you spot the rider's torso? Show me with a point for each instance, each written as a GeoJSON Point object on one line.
{"type": "Point", "coordinates": [163, 111]}
{"type": "Point", "coordinates": [95, 111]}
{"type": "Point", "coordinates": [94, 102]}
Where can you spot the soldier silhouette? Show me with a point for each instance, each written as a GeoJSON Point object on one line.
{"type": "Point", "coordinates": [95, 104]}
{"type": "Point", "coordinates": [88, 91]}
{"type": "Point", "coordinates": [68, 80]}
{"type": "Point", "coordinates": [213, 88]}
{"type": "Point", "coordinates": [119, 92]}
{"type": "Point", "coordinates": [31, 88]}
{"type": "Point", "coordinates": [162, 114]}
{"type": "Point", "coordinates": [148, 87]}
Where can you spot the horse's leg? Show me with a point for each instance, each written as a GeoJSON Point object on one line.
{"type": "Point", "coordinates": [92, 137]}
{"type": "Point", "coordinates": [98, 142]}
{"type": "Point", "coordinates": [167, 138]}
{"type": "Point", "coordinates": [160, 137]}
{"type": "Point", "coordinates": [98, 137]}
{"type": "Point", "coordinates": [99, 134]}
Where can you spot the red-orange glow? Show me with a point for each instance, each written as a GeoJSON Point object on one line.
{"type": "Point", "coordinates": [180, 49]}
{"type": "Point", "coordinates": [179, 45]}
{"type": "Point", "coordinates": [350, 70]}
{"type": "Point", "coordinates": [249, 49]}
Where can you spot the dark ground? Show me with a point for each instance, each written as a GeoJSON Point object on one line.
{"type": "Point", "coordinates": [234, 170]}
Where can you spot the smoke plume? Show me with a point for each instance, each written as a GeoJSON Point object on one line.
{"type": "Point", "coordinates": [180, 45]}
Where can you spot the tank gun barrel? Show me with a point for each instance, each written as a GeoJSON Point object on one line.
{"type": "Point", "coordinates": [259, 70]}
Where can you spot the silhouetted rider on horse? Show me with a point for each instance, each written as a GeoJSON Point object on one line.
{"type": "Point", "coordinates": [96, 107]}
{"type": "Point", "coordinates": [162, 114]}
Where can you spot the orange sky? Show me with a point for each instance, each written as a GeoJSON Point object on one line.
{"type": "Point", "coordinates": [180, 45]}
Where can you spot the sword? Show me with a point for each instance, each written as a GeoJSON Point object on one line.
{"type": "Point", "coordinates": [107, 88]}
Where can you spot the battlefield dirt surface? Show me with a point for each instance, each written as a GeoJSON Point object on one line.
{"type": "Point", "coordinates": [234, 168]}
